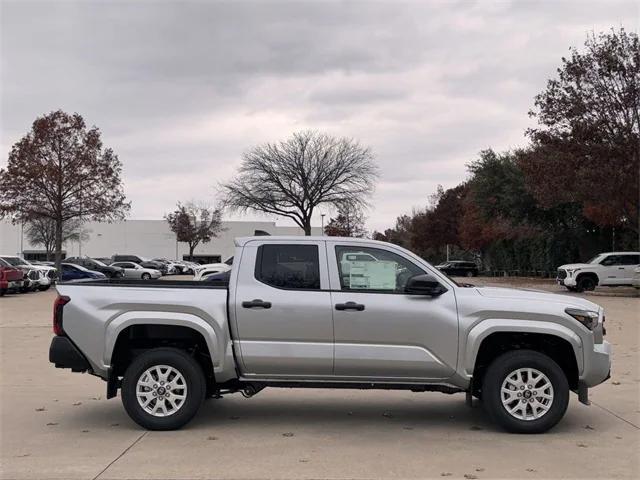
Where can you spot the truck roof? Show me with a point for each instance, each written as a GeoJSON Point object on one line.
{"type": "Point", "coordinates": [241, 241]}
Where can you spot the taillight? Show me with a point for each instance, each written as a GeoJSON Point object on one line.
{"type": "Point", "coordinates": [58, 305]}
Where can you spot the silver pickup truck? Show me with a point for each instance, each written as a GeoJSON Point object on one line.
{"type": "Point", "coordinates": [326, 312]}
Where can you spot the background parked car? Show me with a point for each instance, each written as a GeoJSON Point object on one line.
{"type": "Point", "coordinates": [20, 262]}
{"type": "Point", "coordinates": [39, 279]}
{"type": "Point", "coordinates": [173, 267]}
{"type": "Point", "coordinates": [609, 269]}
{"type": "Point", "coordinates": [142, 261]}
{"type": "Point", "coordinates": [11, 278]}
{"type": "Point", "coordinates": [459, 268]}
{"type": "Point", "coordinates": [133, 270]}
{"type": "Point", "coordinates": [96, 266]}
{"type": "Point", "coordinates": [76, 272]}
{"type": "Point", "coordinates": [209, 269]}
{"type": "Point", "coordinates": [220, 278]}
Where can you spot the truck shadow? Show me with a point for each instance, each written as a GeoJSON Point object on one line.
{"type": "Point", "coordinates": [400, 413]}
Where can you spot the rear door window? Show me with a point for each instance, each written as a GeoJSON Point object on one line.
{"type": "Point", "coordinates": [288, 266]}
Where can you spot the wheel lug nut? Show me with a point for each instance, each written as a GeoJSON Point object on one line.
{"type": "Point", "coordinates": [168, 387]}
{"type": "Point", "coordinates": [519, 394]}
{"type": "Point", "coordinates": [155, 385]}
{"type": "Point", "coordinates": [535, 393]}
{"type": "Point", "coordinates": [521, 387]}
{"type": "Point", "coordinates": [529, 386]}
{"type": "Point", "coordinates": [155, 394]}
{"type": "Point", "coordinates": [162, 383]}
{"type": "Point", "coordinates": [524, 400]}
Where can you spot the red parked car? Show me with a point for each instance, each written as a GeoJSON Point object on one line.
{"type": "Point", "coordinates": [10, 277]}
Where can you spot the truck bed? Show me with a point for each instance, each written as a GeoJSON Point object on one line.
{"type": "Point", "coordinates": [98, 311]}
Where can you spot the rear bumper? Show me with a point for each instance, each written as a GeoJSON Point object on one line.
{"type": "Point", "coordinates": [64, 354]}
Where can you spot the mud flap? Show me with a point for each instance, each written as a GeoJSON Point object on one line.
{"type": "Point", "coordinates": [112, 384]}
{"type": "Point", "coordinates": [583, 394]}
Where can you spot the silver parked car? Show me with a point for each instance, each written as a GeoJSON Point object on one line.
{"type": "Point", "coordinates": [133, 270]}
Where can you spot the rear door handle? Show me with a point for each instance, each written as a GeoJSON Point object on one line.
{"type": "Point", "coordinates": [350, 306]}
{"type": "Point", "coordinates": [256, 303]}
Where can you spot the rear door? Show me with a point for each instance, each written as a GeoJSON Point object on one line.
{"type": "Point", "coordinates": [282, 310]}
{"type": "Point", "coordinates": [627, 264]}
{"type": "Point", "coordinates": [381, 332]}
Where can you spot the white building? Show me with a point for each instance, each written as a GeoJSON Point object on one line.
{"type": "Point", "coordinates": [148, 238]}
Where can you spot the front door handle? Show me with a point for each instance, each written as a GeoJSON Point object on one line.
{"type": "Point", "coordinates": [256, 303]}
{"type": "Point", "coordinates": [350, 306]}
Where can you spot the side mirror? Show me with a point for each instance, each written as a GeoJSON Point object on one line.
{"type": "Point", "coordinates": [424, 285]}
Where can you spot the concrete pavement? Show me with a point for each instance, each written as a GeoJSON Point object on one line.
{"type": "Point", "coordinates": [57, 425]}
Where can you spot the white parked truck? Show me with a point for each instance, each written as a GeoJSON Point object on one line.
{"type": "Point", "coordinates": [294, 314]}
{"type": "Point", "coordinates": [612, 269]}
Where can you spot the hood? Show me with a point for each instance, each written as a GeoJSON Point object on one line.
{"type": "Point", "coordinates": [537, 295]}
{"type": "Point", "coordinates": [43, 268]}
{"type": "Point", "coordinates": [573, 266]}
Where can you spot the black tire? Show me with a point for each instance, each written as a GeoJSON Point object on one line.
{"type": "Point", "coordinates": [195, 388]}
{"type": "Point", "coordinates": [504, 366]}
{"type": "Point", "coordinates": [2, 292]}
{"type": "Point", "coordinates": [470, 274]}
{"type": "Point", "coordinates": [146, 276]}
{"type": "Point", "coordinates": [586, 283]}
{"type": "Point", "coordinates": [44, 288]}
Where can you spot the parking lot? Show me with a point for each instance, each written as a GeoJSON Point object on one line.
{"type": "Point", "coordinates": [56, 424]}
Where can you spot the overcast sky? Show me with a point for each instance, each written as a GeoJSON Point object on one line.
{"type": "Point", "coordinates": [181, 89]}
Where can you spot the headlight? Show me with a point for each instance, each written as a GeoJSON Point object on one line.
{"type": "Point", "coordinates": [586, 317]}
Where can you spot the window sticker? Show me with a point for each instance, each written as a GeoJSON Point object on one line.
{"type": "Point", "coordinates": [377, 275]}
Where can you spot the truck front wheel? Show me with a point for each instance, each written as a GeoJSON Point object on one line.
{"type": "Point", "coordinates": [163, 389]}
{"type": "Point", "coordinates": [525, 391]}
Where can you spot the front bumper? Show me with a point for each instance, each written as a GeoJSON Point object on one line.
{"type": "Point", "coordinates": [567, 282]}
{"type": "Point", "coordinates": [64, 354]}
{"type": "Point", "coordinates": [597, 365]}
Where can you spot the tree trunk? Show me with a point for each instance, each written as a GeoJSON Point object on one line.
{"type": "Point", "coordinates": [58, 246]}
{"type": "Point", "coordinates": [306, 226]}
{"type": "Point", "coordinates": [191, 249]}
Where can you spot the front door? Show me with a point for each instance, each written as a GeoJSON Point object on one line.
{"type": "Point", "coordinates": [282, 308]}
{"type": "Point", "coordinates": [381, 332]}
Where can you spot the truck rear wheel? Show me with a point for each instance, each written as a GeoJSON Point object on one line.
{"type": "Point", "coordinates": [525, 391]}
{"type": "Point", "coordinates": [163, 389]}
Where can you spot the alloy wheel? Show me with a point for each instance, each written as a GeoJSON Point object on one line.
{"type": "Point", "coordinates": [161, 390]}
{"type": "Point", "coordinates": [527, 394]}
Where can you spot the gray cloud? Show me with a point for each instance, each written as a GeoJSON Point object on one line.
{"type": "Point", "coordinates": [181, 89]}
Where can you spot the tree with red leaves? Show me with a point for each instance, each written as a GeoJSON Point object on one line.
{"type": "Point", "coordinates": [586, 148]}
{"type": "Point", "coordinates": [60, 171]}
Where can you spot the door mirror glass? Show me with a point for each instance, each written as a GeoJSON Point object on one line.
{"type": "Point", "coordinates": [424, 285]}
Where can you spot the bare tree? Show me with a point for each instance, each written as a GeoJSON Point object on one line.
{"type": "Point", "coordinates": [195, 224]}
{"type": "Point", "coordinates": [42, 231]}
{"type": "Point", "coordinates": [293, 177]}
{"type": "Point", "coordinates": [59, 170]}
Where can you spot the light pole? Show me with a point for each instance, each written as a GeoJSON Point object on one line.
{"type": "Point", "coordinates": [322, 217]}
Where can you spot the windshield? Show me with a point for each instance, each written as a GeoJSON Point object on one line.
{"type": "Point", "coordinates": [595, 259]}
{"type": "Point", "coordinates": [98, 262]}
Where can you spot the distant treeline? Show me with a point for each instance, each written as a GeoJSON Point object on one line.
{"type": "Point", "coordinates": [571, 193]}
